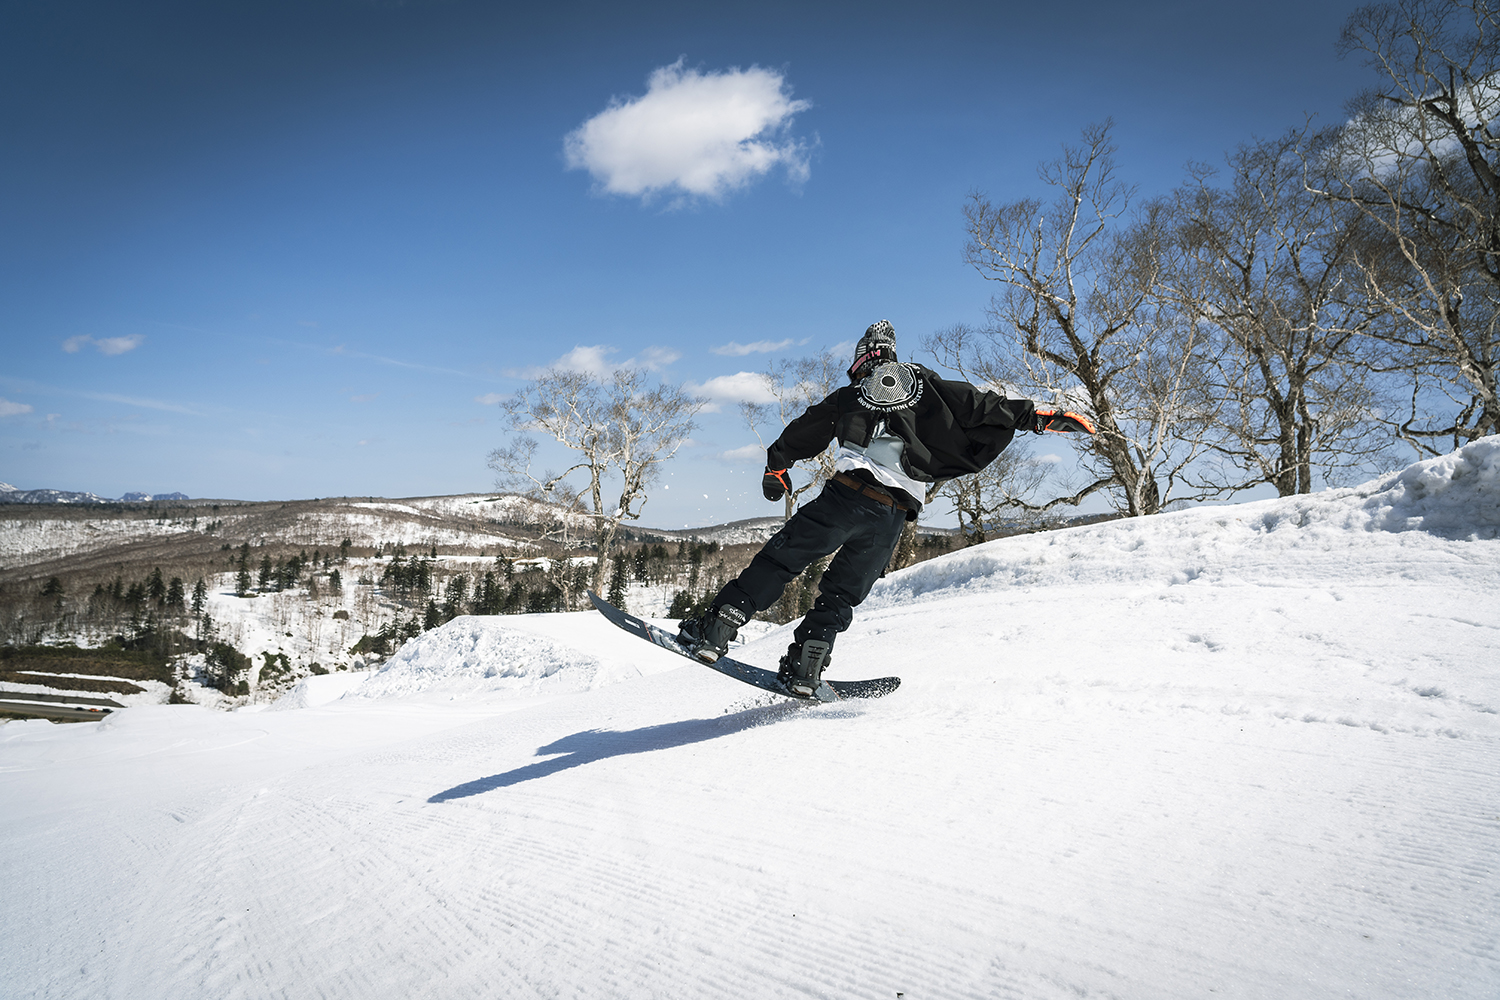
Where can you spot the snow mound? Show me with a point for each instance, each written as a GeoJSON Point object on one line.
{"type": "Point", "coordinates": [1455, 496]}
{"type": "Point", "coordinates": [311, 692]}
{"type": "Point", "coordinates": [478, 658]}
{"type": "Point", "coordinates": [1362, 532]}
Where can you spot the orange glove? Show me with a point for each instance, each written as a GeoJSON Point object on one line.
{"type": "Point", "coordinates": [775, 484]}
{"type": "Point", "coordinates": [1060, 422]}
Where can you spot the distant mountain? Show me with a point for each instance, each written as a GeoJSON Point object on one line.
{"type": "Point", "coordinates": [9, 494]}
{"type": "Point", "coordinates": [14, 495]}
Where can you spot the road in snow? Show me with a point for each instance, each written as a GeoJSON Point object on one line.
{"type": "Point", "coordinates": [1252, 751]}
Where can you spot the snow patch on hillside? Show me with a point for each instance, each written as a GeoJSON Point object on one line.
{"type": "Point", "coordinates": [318, 527]}
{"type": "Point", "coordinates": [34, 541]}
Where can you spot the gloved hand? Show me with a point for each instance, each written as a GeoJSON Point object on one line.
{"type": "Point", "coordinates": [1060, 421]}
{"type": "Point", "coordinates": [775, 484]}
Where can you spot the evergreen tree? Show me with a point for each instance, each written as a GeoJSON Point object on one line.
{"type": "Point", "coordinates": [515, 599]}
{"type": "Point", "coordinates": [682, 605]}
{"type": "Point", "coordinates": [487, 596]}
{"type": "Point", "coordinates": [156, 589]}
{"type": "Point", "coordinates": [455, 597]}
{"type": "Point", "coordinates": [617, 584]}
{"type": "Point", "coordinates": [175, 598]}
{"type": "Point", "coordinates": [200, 597]}
{"type": "Point", "coordinates": [266, 570]}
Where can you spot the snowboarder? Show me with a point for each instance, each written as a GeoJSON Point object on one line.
{"type": "Point", "coordinates": [901, 430]}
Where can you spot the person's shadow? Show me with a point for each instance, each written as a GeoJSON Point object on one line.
{"type": "Point", "coordinates": [596, 744]}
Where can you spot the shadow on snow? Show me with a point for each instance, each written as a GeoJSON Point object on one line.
{"type": "Point", "coordinates": [593, 745]}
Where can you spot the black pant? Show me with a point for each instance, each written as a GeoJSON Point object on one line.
{"type": "Point", "coordinates": [864, 531]}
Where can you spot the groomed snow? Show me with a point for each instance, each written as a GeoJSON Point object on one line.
{"type": "Point", "coordinates": [1246, 751]}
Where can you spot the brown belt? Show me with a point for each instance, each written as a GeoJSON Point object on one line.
{"type": "Point", "coordinates": [860, 486]}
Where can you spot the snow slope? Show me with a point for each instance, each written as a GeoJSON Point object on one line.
{"type": "Point", "coordinates": [1252, 751]}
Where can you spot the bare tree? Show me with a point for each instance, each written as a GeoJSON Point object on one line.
{"type": "Point", "coordinates": [794, 386]}
{"type": "Point", "coordinates": [1266, 265]}
{"type": "Point", "coordinates": [621, 429]}
{"type": "Point", "coordinates": [1420, 160]}
{"type": "Point", "coordinates": [1081, 321]}
{"type": "Point", "coordinates": [1001, 488]}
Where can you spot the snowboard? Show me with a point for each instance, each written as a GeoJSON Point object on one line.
{"type": "Point", "coordinates": [743, 672]}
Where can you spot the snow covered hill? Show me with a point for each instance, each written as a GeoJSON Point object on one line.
{"type": "Point", "coordinates": [1248, 751]}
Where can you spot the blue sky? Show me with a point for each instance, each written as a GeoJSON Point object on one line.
{"type": "Point", "coordinates": [270, 250]}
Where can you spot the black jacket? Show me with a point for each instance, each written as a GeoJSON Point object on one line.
{"type": "Point", "coordinates": [950, 428]}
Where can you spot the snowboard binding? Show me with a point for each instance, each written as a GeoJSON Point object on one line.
{"type": "Point", "coordinates": [802, 667]}
{"type": "Point", "coordinates": [707, 636]}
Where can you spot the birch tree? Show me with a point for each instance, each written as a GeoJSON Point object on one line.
{"type": "Point", "coordinates": [1080, 321]}
{"type": "Point", "coordinates": [1001, 488]}
{"type": "Point", "coordinates": [621, 429]}
{"type": "Point", "coordinates": [1268, 267]}
{"type": "Point", "coordinates": [1420, 160]}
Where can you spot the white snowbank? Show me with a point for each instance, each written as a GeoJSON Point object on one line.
{"type": "Point", "coordinates": [312, 692]}
{"type": "Point", "coordinates": [1456, 495]}
{"type": "Point", "coordinates": [1356, 531]}
{"type": "Point", "coordinates": [473, 657]}
{"type": "Point", "coordinates": [487, 659]}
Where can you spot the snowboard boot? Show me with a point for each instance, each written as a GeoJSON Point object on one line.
{"type": "Point", "coordinates": [707, 636]}
{"type": "Point", "coordinates": [802, 667]}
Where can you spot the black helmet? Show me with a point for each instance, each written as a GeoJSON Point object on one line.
{"type": "Point", "coordinates": [876, 347]}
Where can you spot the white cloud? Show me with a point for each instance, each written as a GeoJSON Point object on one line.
{"type": "Point", "coordinates": [109, 345]}
{"type": "Point", "coordinates": [750, 453]}
{"type": "Point", "coordinates": [654, 359]}
{"type": "Point", "coordinates": [696, 134]}
{"type": "Point", "coordinates": [594, 359]}
{"type": "Point", "coordinates": [737, 350]}
{"type": "Point", "coordinates": [118, 345]}
{"type": "Point", "coordinates": [741, 387]}
{"type": "Point", "coordinates": [490, 398]}
{"type": "Point", "coordinates": [9, 409]}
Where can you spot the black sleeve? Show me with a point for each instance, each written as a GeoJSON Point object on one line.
{"type": "Point", "coordinates": [806, 436]}
{"type": "Point", "coordinates": [973, 408]}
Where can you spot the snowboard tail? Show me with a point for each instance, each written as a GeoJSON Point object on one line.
{"type": "Point", "coordinates": [745, 673]}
